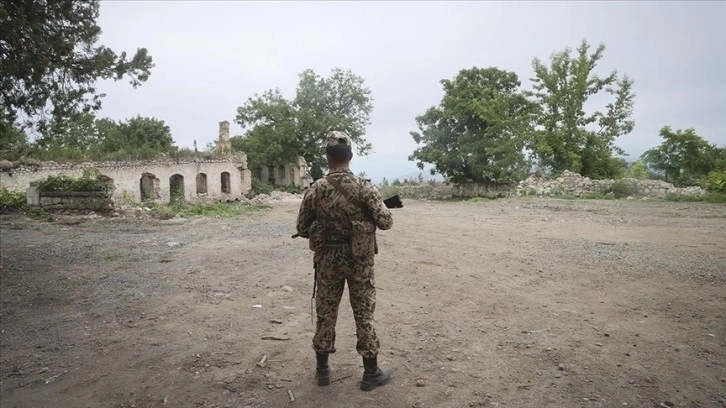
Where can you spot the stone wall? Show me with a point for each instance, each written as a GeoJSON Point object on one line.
{"type": "Point", "coordinates": [76, 201]}
{"type": "Point", "coordinates": [443, 191]}
{"type": "Point", "coordinates": [573, 184]}
{"type": "Point", "coordinates": [222, 178]}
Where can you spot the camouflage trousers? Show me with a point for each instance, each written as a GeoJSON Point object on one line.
{"type": "Point", "coordinates": [334, 269]}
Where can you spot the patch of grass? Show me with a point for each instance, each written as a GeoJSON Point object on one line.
{"type": "Point", "coordinates": [596, 195]}
{"type": "Point", "coordinates": [707, 198]}
{"type": "Point", "coordinates": [39, 214]}
{"type": "Point", "coordinates": [222, 210]}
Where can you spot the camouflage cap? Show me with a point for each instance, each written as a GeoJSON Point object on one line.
{"type": "Point", "coordinates": [337, 138]}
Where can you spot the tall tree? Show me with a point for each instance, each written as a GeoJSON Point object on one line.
{"type": "Point", "coordinates": [278, 130]}
{"type": "Point", "coordinates": [79, 133]}
{"type": "Point", "coordinates": [51, 61]}
{"type": "Point", "coordinates": [568, 137]}
{"type": "Point", "coordinates": [683, 156]}
{"type": "Point", "coordinates": [478, 131]}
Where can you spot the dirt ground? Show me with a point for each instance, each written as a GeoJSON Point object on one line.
{"type": "Point", "coordinates": [514, 302]}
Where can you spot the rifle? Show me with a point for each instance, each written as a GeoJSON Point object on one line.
{"type": "Point", "coordinates": [390, 202]}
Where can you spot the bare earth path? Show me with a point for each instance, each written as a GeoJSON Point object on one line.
{"type": "Point", "coordinates": [517, 303]}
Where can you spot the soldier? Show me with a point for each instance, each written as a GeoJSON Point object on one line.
{"type": "Point", "coordinates": [339, 215]}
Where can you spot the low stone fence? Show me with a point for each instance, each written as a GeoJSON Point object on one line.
{"type": "Point", "coordinates": [443, 191]}
{"type": "Point", "coordinates": [573, 184]}
{"type": "Point", "coordinates": [70, 200]}
{"type": "Point", "coordinates": [567, 184]}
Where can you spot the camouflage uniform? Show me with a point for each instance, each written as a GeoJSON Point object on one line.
{"type": "Point", "coordinates": [338, 260]}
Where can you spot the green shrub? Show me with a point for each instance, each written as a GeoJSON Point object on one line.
{"type": "Point", "coordinates": [715, 181]}
{"type": "Point", "coordinates": [620, 189]}
{"type": "Point", "coordinates": [92, 180]}
{"type": "Point", "coordinates": [10, 200]}
{"type": "Point", "coordinates": [261, 187]}
{"type": "Point", "coordinates": [637, 170]}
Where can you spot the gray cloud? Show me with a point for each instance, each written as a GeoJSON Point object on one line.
{"type": "Point", "coordinates": [212, 56]}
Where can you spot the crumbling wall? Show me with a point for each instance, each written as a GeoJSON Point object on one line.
{"type": "Point", "coordinates": [570, 183]}
{"type": "Point", "coordinates": [295, 174]}
{"type": "Point", "coordinates": [154, 178]}
{"type": "Point", "coordinates": [443, 191]}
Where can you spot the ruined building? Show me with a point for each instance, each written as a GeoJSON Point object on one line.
{"type": "Point", "coordinates": [163, 181]}
{"type": "Point", "coordinates": [186, 179]}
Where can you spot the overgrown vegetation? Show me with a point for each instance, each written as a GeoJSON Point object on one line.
{"type": "Point", "coordinates": [261, 187]}
{"type": "Point", "coordinates": [92, 180]}
{"type": "Point", "coordinates": [715, 181]}
{"type": "Point", "coordinates": [10, 200]}
{"type": "Point", "coordinates": [219, 209]}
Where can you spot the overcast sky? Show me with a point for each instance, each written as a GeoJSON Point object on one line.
{"type": "Point", "coordinates": [212, 56]}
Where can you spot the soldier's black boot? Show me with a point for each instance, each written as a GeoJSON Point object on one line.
{"type": "Point", "coordinates": [322, 371]}
{"type": "Point", "coordinates": [373, 376]}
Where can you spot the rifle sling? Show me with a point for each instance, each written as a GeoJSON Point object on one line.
{"type": "Point", "coordinates": [353, 200]}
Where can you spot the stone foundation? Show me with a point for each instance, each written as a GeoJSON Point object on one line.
{"type": "Point", "coordinates": [72, 200]}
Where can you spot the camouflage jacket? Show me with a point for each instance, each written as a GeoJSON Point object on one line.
{"type": "Point", "coordinates": [323, 201]}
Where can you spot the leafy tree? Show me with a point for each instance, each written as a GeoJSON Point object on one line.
{"type": "Point", "coordinates": [79, 133]}
{"type": "Point", "coordinates": [567, 137]}
{"type": "Point", "coordinates": [279, 130]}
{"type": "Point", "coordinates": [683, 156]}
{"type": "Point", "coordinates": [637, 170]}
{"type": "Point", "coordinates": [478, 131]}
{"type": "Point", "coordinates": [51, 62]}
{"type": "Point", "coordinates": [13, 143]}
{"type": "Point", "coordinates": [144, 132]}
{"type": "Point", "coordinates": [85, 137]}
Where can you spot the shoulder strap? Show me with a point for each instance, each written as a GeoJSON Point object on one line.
{"type": "Point", "coordinates": [354, 200]}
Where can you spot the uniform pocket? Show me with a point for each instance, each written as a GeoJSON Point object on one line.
{"type": "Point", "coordinates": [363, 239]}
{"type": "Point", "coordinates": [316, 236]}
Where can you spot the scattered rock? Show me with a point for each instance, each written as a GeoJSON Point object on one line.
{"type": "Point", "coordinates": [420, 383]}
{"type": "Point", "coordinates": [286, 289]}
{"type": "Point", "coordinates": [561, 367]}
